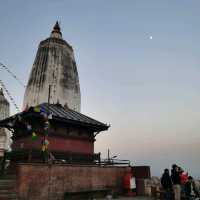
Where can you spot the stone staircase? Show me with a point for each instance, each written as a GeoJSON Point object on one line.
{"type": "Point", "coordinates": [7, 187]}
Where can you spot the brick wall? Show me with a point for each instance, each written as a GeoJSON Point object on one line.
{"type": "Point", "coordinates": [40, 181]}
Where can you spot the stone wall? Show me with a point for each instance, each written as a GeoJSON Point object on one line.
{"type": "Point", "coordinates": [40, 181]}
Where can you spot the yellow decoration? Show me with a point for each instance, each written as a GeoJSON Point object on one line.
{"type": "Point", "coordinates": [37, 108]}
{"type": "Point", "coordinates": [34, 136]}
{"type": "Point", "coordinates": [44, 147]}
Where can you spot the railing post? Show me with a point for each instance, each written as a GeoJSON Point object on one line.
{"type": "Point", "coordinates": [99, 158]}
{"type": "Point", "coordinates": [2, 164]}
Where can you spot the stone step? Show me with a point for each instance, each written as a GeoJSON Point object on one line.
{"type": "Point", "coordinates": [7, 187]}
{"type": "Point", "coordinates": [6, 191]}
{"type": "Point", "coordinates": [10, 196]}
{"type": "Point", "coordinates": [7, 182]}
{"type": "Point", "coordinates": [8, 176]}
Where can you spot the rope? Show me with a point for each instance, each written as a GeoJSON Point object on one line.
{"type": "Point", "coordinates": [13, 75]}
{"type": "Point", "coordinates": [9, 95]}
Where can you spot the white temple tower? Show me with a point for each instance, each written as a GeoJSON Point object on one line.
{"type": "Point", "coordinates": [54, 66]}
{"type": "Point", "coordinates": [4, 113]}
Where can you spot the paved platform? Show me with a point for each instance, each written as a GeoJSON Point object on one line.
{"type": "Point", "coordinates": [135, 198]}
{"type": "Point", "coordinates": [131, 198]}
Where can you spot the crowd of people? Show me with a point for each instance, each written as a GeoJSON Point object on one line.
{"type": "Point", "coordinates": [178, 185]}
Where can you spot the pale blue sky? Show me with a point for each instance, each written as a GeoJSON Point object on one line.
{"type": "Point", "coordinates": [148, 90]}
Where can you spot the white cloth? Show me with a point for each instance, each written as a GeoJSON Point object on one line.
{"type": "Point", "coordinates": [132, 183]}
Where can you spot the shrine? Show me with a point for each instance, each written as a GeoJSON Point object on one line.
{"type": "Point", "coordinates": [65, 134]}
{"type": "Point", "coordinates": [52, 151]}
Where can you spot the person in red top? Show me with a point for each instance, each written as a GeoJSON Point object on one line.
{"type": "Point", "coordinates": [129, 183]}
{"type": "Point", "coordinates": [184, 177]}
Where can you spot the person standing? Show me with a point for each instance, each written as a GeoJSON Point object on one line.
{"type": "Point", "coordinates": [183, 176]}
{"type": "Point", "coordinates": [190, 189]}
{"type": "Point", "coordinates": [166, 183]}
{"type": "Point", "coordinates": [189, 193]}
{"type": "Point", "coordinates": [176, 180]}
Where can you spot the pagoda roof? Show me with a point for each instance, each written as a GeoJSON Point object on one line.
{"type": "Point", "coordinates": [58, 113]}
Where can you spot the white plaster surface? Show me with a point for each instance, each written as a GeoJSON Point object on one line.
{"type": "Point", "coordinates": [5, 135]}
{"type": "Point", "coordinates": [54, 65]}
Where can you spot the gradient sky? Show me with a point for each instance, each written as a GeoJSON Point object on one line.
{"type": "Point", "coordinates": [147, 89]}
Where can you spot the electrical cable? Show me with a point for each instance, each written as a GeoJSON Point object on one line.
{"type": "Point", "coordinates": [9, 95]}
{"type": "Point", "coordinates": [13, 75]}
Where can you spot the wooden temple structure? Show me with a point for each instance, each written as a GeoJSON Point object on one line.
{"type": "Point", "coordinates": [52, 132]}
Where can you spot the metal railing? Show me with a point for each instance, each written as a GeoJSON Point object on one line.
{"type": "Point", "coordinates": [36, 156]}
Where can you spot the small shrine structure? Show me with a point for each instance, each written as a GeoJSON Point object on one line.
{"type": "Point", "coordinates": [52, 132]}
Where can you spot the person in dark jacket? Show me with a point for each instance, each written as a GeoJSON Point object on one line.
{"type": "Point", "coordinates": [190, 190]}
{"type": "Point", "coordinates": [166, 183]}
{"type": "Point", "coordinates": [175, 175]}
{"type": "Point", "coordinates": [176, 180]}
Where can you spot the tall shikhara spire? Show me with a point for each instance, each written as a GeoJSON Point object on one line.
{"type": "Point", "coordinates": [54, 66]}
